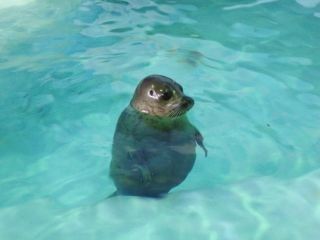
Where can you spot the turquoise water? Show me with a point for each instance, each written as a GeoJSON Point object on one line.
{"type": "Point", "coordinates": [68, 68]}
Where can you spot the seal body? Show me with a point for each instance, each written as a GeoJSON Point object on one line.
{"type": "Point", "coordinates": [154, 145]}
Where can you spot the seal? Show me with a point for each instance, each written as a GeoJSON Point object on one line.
{"type": "Point", "coordinates": [154, 145]}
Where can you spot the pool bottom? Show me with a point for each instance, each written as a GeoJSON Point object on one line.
{"type": "Point", "coordinates": [261, 208]}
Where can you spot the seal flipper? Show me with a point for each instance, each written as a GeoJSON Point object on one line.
{"type": "Point", "coordinates": [135, 172]}
{"type": "Point", "coordinates": [139, 158]}
{"type": "Point", "coordinates": [199, 141]}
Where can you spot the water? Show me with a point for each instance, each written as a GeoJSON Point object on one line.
{"type": "Point", "coordinates": [68, 68]}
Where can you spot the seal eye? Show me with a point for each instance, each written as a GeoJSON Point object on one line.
{"type": "Point", "coordinates": [166, 95]}
{"type": "Point", "coordinates": [151, 93]}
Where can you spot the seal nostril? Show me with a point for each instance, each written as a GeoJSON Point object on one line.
{"type": "Point", "coordinates": [187, 102]}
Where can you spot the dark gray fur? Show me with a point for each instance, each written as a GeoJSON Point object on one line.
{"type": "Point", "coordinates": [153, 153]}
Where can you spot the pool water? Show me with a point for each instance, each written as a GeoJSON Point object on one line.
{"type": "Point", "coordinates": [68, 68]}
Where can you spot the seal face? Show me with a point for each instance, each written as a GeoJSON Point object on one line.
{"type": "Point", "coordinates": [154, 143]}
{"type": "Point", "coordinates": [161, 96]}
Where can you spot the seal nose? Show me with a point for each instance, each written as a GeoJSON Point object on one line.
{"type": "Point", "coordinates": [187, 102]}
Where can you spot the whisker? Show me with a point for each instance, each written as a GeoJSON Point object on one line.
{"type": "Point", "coordinates": [176, 112]}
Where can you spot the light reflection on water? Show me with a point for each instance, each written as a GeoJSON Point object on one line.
{"type": "Point", "coordinates": [68, 68]}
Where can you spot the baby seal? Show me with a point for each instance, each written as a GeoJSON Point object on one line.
{"type": "Point", "coordinates": [154, 145]}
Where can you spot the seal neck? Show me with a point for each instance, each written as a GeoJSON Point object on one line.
{"type": "Point", "coordinates": [161, 123]}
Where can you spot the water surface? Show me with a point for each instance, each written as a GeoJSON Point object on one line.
{"type": "Point", "coordinates": [68, 68]}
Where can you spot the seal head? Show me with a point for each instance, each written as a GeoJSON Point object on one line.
{"type": "Point", "coordinates": [157, 95]}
